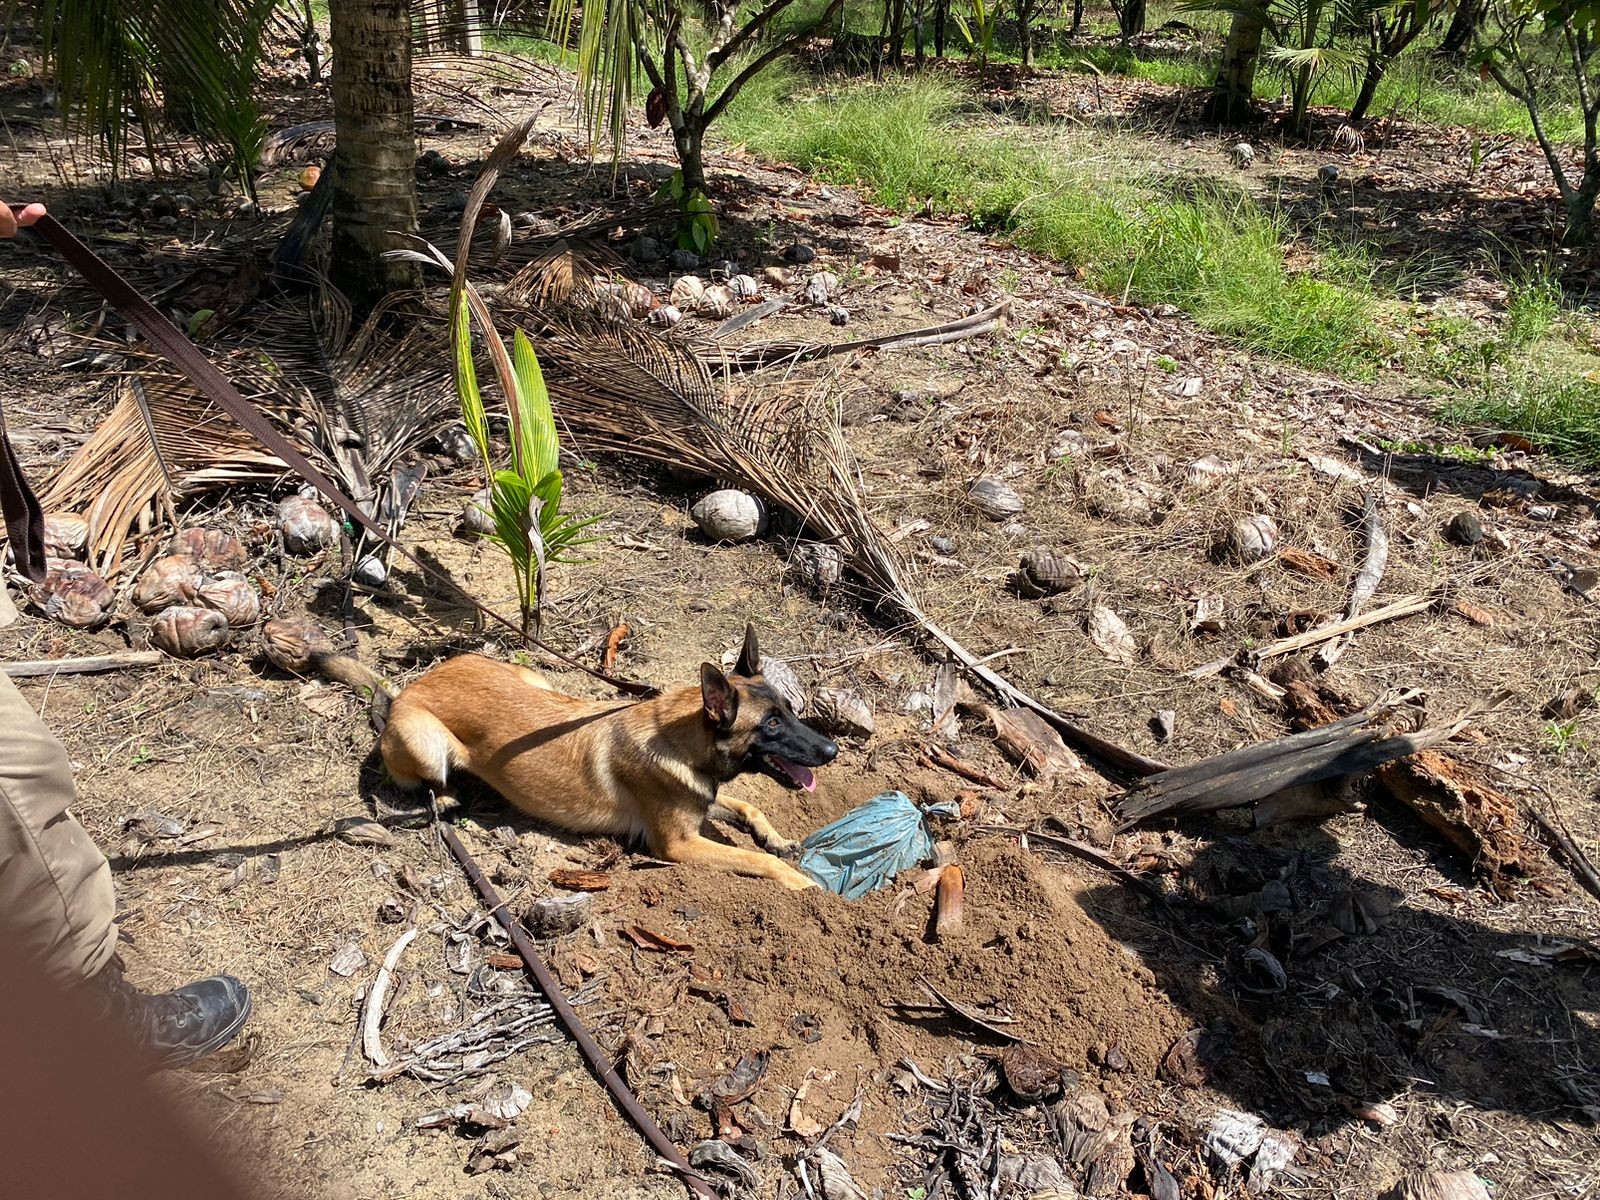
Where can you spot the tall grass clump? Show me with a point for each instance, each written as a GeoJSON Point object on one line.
{"type": "Point", "coordinates": [894, 137]}
{"type": "Point", "coordinates": [1556, 410]}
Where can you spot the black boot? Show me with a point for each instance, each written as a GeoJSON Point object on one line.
{"type": "Point", "coordinates": [178, 1027]}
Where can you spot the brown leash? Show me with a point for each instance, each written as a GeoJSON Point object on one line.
{"type": "Point", "coordinates": [187, 357]}
{"type": "Point", "coordinates": [24, 519]}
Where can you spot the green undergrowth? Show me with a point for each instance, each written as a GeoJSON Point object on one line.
{"type": "Point", "coordinates": [1141, 234]}
{"type": "Point", "coordinates": [1134, 233]}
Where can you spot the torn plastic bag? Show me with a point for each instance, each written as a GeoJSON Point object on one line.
{"type": "Point", "coordinates": [867, 847]}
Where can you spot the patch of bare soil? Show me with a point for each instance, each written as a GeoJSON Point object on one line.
{"type": "Point", "coordinates": [1429, 1028]}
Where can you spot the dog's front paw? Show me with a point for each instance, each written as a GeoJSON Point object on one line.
{"type": "Point", "coordinates": [784, 849]}
{"type": "Point", "coordinates": [795, 879]}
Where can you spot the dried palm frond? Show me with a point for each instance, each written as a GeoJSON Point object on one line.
{"type": "Point", "coordinates": [354, 399]}
{"type": "Point", "coordinates": [120, 485]}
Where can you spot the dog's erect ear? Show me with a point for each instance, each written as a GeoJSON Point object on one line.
{"type": "Point", "coordinates": [749, 664]}
{"type": "Point", "coordinates": [720, 697]}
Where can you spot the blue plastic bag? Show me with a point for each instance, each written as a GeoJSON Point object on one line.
{"type": "Point", "coordinates": [867, 847]}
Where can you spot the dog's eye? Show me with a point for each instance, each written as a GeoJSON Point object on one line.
{"type": "Point", "coordinates": [773, 722]}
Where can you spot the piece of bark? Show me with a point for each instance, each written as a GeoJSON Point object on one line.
{"type": "Point", "coordinates": [1350, 746]}
{"type": "Point", "coordinates": [1307, 709]}
{"type": "Point", "coordinates": [1030, 741]}
{"type": "Point", "coordinates": [1451, 798]}
{"type": "Point", "coordinates": [1366, 581]}
{"type": "Point", "coordinates": [1307, 563]}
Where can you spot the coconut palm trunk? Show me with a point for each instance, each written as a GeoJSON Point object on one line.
{"type": "Point", "coordinates": [1232, 98]}
{"type": "Point", "coordinates": [375, 204]}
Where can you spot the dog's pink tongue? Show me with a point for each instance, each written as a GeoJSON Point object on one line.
{"type": "Point", "coordinates": [801, 775]}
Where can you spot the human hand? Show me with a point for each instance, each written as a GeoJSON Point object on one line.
{"type": "Point", "coordinates": [10, 222]}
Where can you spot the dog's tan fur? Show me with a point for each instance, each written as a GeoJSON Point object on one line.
{"type": "Point", "coordinates": [623, 768]}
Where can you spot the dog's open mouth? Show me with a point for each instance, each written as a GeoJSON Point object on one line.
{"type": "Point", "coordinates": [787, 772]}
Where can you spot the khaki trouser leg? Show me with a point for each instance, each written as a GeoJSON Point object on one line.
{"type": "Point", "coordinates": [55, 885]}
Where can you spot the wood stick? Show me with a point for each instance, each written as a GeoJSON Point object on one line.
{"type": "Point", "coordinates": [1404, 607]}
{"type": "Point", "coordinates": [81, 666]}
{"type": "Point", "coordinates": [935, 756]}
{"type": "Point", "coordinates": [1581, 866]}
{"type": "Point", "coordinates": [371, 1044]}
{"type": "Point", "coordinates": [1086, 852]}
{"type": "Point", "coordinates": [1366, 581]}
{"type": "Point", "coordinates": [1360, 743]}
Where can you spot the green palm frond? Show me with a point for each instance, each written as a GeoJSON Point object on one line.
{"type": "Point", "coordinates": [608, 33]}
{"type": "Point", "coordinates": [192, 65]}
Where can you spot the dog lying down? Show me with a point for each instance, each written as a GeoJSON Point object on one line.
{"type": "Point", "coordinates": [626, 768]}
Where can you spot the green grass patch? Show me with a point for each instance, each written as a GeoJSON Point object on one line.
{"type": "Point", "coordinates": [1556, 410]}
{"type": "Point", "coordinates": [1211, 251]}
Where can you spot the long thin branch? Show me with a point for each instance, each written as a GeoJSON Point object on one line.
{"type": "Point", "coordinates": [721, 55]}
{"type": "Point", "coordinates": [1529, 96]}
{"type": "Point", "coordinates": [1404, 607]}
{"type": "Point", "coordinates": [750, 72]}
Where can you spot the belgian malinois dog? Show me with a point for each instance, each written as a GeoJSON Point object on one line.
{"type": "Point", "coordinates": [627, 768]}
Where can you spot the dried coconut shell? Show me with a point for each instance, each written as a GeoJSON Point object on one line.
{"type": "Point", "coordinates": [73, 595]}
{"type": "Point", "coordinates": [292, 644]}
{"type": "Point", "coordinates": [189, 632]}
{"type": "Point", "coordinates": [1439, 1185]}
{"type": "Point", "coordinates": [305, 525]}
{"type": "Point", "coordinates": [232, 595]}
{"type": "Point", "coordinates": [173, 579]}
{"type": "Point", "coordinates": [994, 498]}
{"type": "Point", "coordinates": [214, 548]}
{"type": "Point", "coordinates": [65, 535]}
{"type": "Point", "coordinates": [729, 515]}
{"type": "Point", "coordinates": [841, 713]}
{"type": "Point", "coordinates": [1250, 539]}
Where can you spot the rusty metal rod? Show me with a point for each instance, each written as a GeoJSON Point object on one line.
{"type": "Point", "coordinates": [625, 1099]}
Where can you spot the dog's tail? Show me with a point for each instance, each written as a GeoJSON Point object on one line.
{"type": "Point", "coordinates": [303, 648]}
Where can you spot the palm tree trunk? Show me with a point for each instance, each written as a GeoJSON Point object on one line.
{"type": "Point", "coordinates": [1232, 98]}
{"type": "Point", "coordinates": [375, 206]}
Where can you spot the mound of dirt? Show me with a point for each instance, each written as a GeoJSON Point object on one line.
{"type": "Point", "coordinates": [813, 979]}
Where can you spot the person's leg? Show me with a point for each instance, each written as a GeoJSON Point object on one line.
{"type": "Point", "coordinates": [55, 885]}
{"type": "Point", "coordinates": [55, 890]}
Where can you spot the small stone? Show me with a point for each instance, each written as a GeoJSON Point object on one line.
{"type": "Point", "coordinates": [1243, 155]}
{"type": "Point", "coordinates": [1327, 175]}
{"type": "Point", "coordinates": [684, 260]}
{"type": "Point", "coordinates": [1465, 529]}
{"type": "Point", "coordinates": [838, 314]}
{"type": "Point", "coordinates": [645, 250]}
{"type": "Point", "coordinates": [1163, 724]}
{"type": "Point", "coordinates": [942, 545]}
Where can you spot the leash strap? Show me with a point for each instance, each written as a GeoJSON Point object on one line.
{"type": "Point", "coordinates": [187, 357]}
{"type": "Point", "coordinates": [24, 519]}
